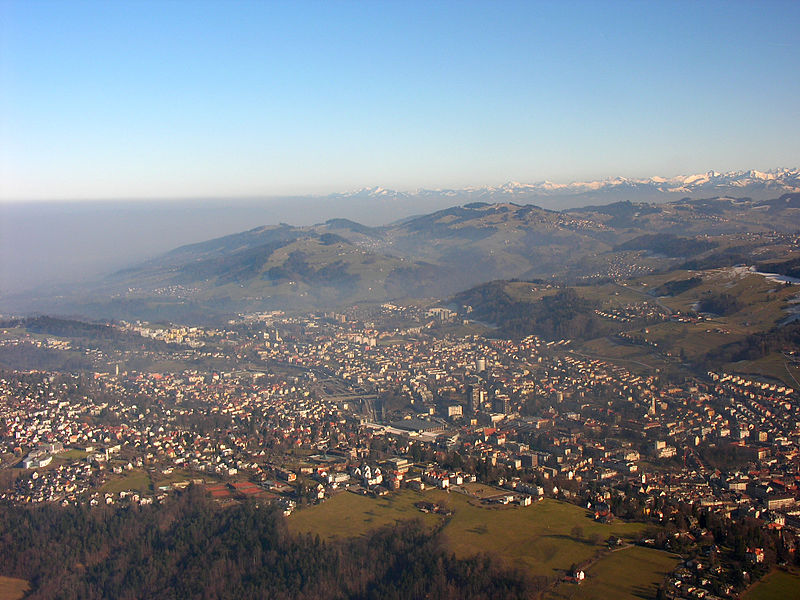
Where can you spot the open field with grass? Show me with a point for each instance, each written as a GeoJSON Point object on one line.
{"type": "Point", "coordinates": [626, 574]}
{"type": "Point", "coordinates": [611, 294]}
{"type": "Point", "coordinates": [72, 455]}
{"type": "Point", "coordinates": [481, 490]}
{"type": "Point", "coordinates": [133, 480]}
{"type": "Point", "coordinates": [638, 359]}
{"type": "Point", "coordinates": [12, 588]}
{"type": "Point", "coordinates": [176, 476]}
{"type": "Point", "coordinates": [522, 291]}
{"type": "Point", "coordinates": [695, 339]}
{"type": "Point", "coordinates": [544, 539]}
{"type": "Point", "coordinates": [773, 366]}
{"type": "Point", "coordinates": [350, 515]}
{"type": "Point", "coordinates": [763, 306]}
{"type": "Point", "coordinates": [778, 585]}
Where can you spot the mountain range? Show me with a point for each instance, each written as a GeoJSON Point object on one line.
{"type": "Point", "coordinates": [757, 185]}
{"type": "Point", "coordinates": [341, 262]}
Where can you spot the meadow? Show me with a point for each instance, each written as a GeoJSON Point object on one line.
{"type": "Point", "coordinates": [350, 515]}
{"type": "Point", "coordinates": [777, 585]}
{"type": "Point", "coordinates": [135, 480]}
{"type": "Point", "coordinates": [544, 539]}
{"type": "Point", "coordinates": [626, 574]}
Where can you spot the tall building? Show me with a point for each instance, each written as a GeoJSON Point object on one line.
{"type": "Point", "coordinates": [477, 396]}
{"type": "Point", "coordinates": [501, 404]}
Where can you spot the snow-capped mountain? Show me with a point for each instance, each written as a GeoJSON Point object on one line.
{"type": "Point", "coordinates": [758, 185]}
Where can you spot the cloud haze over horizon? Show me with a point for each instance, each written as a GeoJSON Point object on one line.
{"type": "Point", "coordinates": [212, 99]}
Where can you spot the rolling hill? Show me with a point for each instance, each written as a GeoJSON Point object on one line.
{"type": "Point", "coordinates": [435, 255]}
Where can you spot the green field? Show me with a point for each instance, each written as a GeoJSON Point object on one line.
{"type": "Point", "coordinates": [541, 538]}
{"type": "Point", "coordinates": [778, 585]}
{"type": "Point", "coordinates": [12, 588]}
{"type": "Point", "coordinates": [72, 455]}
{"type": "Point", "coordinates": [140, 481]}
{"type": "Point", "coordinates": [629, 573]}
{"type": "Point", "coordinates": [538, 538]}
{"type": "Point", "coordinates": [349, 515]}
{"type": "Point", "coordinates": [637, 359]}
{"type": "Point", "coordinates": [133, 480]}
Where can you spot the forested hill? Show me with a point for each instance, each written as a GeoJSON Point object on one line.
{"type": "Point", "coordinates": [523, 308]}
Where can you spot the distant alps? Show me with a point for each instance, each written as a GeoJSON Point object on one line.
{"type": "Point", "coordinates": [758, 185]}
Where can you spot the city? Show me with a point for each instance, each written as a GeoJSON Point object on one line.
{"type": "Point", "coordinates": [376, 400]}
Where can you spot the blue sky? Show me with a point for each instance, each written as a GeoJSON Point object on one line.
{"type": "Point", "coordinates": [187, 98]}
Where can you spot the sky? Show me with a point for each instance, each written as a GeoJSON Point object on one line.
{"type": "Point", "coordinates": [183, 99]}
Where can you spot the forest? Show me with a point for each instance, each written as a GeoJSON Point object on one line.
{"type": "Point", "coordinates": [720, 303]}
{"type": "Point", "coordinates": [564, 314]}
{"type": "Point", "coordinates": [789, 267]}
{"type": "Point", "coordinates": [667, 244]}
{"type": "Point", "coordinates": [190, 547]}
{"type": "Point", "coordinates": [676, 287]}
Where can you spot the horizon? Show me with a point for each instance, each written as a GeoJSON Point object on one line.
{"type": "Point", "coordinates": [356, 190]}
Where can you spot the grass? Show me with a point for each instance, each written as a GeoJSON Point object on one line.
{"type": "Point", "coordinates": [482, 490]}
{"type": "Point", "coordinates": [777, 585]}
{"type": "Point", "coordinates": [12, 588]}
{"type": "Point", "coordinates": [351, 515]}
{"type": "Point", "coordinates": [763, 306]}
{"type": "Point", "coordinates": [773, 366]}
{"type": "Point", "coordinates": [176, 476]}
{"type": "Point", "coordinates": [72, 455]}
{"type": "Point", "coordinates": [520, 291]}
{"type": "Point", "coordinates": [538, 538]}
{"type": "Point", "coordinates": [763, 300]}
{"type": "Point", "coordinates": [612, 294]}
{"type": "Point", "coordinates": [133, 480]}
{"type": "Point", "coordinates": [630, 573]}
{"type": "Point", "coordinates": [695, 339]}
{"type": "Point", "coordinates": [635, 358]}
